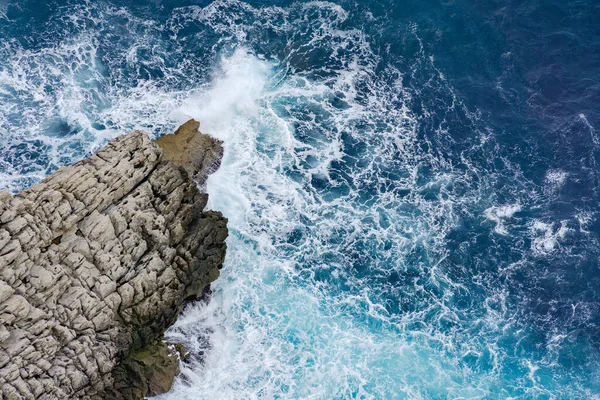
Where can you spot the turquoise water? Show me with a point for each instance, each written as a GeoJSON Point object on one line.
{"type": "Point", "coordinates": [412, 187]}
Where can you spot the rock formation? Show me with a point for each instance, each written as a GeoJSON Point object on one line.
{"type": "Point", "coordinates": [97, 260]}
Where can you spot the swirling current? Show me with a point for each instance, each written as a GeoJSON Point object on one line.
{"type": "Point", "coordinates": [412, 187]}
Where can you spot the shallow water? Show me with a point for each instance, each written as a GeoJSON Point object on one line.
{"type": "Point", "coordinates": [412, 187]}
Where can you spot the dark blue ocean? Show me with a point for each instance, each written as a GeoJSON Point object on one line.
{"type": "Point", "coordinates": [413, 187]}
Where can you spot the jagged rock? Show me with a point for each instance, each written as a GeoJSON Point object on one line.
{"type": "Point", "coordinates": [97, 260]}
{"type": "Point", "coordinates": [200, 155]}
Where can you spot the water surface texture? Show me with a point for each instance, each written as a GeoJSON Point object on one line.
{"type": "Point", "coordinates": [412, 187]}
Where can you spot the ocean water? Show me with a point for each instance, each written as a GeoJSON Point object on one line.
{"type": "Point", "coordinates": [412, 187]}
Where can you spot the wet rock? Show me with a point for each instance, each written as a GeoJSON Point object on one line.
{"type": "Point", "coordinates": [96, 262]}
{"type": "Point", "coordinates": [154, 367]}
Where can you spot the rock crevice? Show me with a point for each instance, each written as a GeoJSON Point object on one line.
{"type": "Point", "coordinates": [96, 262]}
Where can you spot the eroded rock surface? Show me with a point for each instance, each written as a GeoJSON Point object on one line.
{"type": "Point", "coordinates": [96, 262]}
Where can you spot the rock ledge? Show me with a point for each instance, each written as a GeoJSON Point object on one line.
{"type": "Point", "coordinates": [96, 262]}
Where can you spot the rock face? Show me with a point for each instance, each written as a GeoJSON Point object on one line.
{"type": "Point", "coordinates": [97, 260]}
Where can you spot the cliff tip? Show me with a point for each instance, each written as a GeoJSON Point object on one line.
{"type": "Point", "coordinates": [199, 154]}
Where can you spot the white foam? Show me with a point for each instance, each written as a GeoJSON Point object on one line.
{"type": "Point", "coordinates": [546, 239]}
{"type": "Point", "coordinates": [499, 214]}
{"type": "Point", "coordinates": [556, 178]}
{"type": "Point", "coordinates": [4, 9]}
{"type": "Point", "coordinates": [584, 218]}
{"type": "Point", "coordinates": [591, 128]}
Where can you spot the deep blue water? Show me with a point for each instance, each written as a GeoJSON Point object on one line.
{"type": "Point", "coordinates": [412, 186]}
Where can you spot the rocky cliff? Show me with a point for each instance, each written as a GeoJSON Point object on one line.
{"type": "Point", "coordinates": [97, 260]}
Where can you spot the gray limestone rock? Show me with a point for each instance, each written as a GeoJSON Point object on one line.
{"type": "Point", "coordinates": [96, 262]}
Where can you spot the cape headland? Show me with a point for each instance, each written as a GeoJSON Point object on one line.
{"type": "Point", "coordinates": [97, 261]}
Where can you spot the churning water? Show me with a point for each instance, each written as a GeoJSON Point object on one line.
{"type": "Point", "coordinates": [412, 187]}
